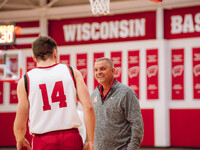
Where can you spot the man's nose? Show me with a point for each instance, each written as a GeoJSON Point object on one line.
{"type": "Point", "coordinates": [98, 72]}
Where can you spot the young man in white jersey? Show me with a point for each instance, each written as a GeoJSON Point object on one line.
{"type": "Point", "coordinates": [47, 97]}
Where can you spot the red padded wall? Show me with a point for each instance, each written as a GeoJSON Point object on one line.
{"type": "Point", "coordinates": [6, 130]}
{"type": "Point", "coordinates": [148, 119]}
{"type": "Point", "coordinates": [185, 127]}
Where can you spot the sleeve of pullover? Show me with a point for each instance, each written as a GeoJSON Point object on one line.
{"type": "Point", "coordinates": [133, 115]}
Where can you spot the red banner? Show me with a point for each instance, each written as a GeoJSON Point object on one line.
{"type": "Point", "coordinates": [196, 73]}
{"type": "Point", "coordinates": [13, 93]}
{"type": "Point", "coordinates": [96, 56]}
{"type": "Point", "coordinates": [30, 63]}
{"type": "Point", "coordinates": [102, 29]}
{"type": "Point", "coordinates": [177, 59]}
{"type": "Point", "coordinates": [182, 22]}
{"type": "Point", "coordinates": [1, 92]}
{"type": "Point", "coordinates": [116, 58]}
{"type": "Point", "coordinates": [82, 65]}
{"type": "Point", "coordinates": [134, 71]}
{"type": "Point", "coordinates": [65, 59]}
{"type": "Point", "coordinates": [152, 73]}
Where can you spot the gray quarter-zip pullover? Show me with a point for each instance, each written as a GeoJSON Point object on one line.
{"type": "Point", "coordinates": [119, 123]}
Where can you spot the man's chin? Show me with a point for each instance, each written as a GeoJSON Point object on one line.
{"type": "Point", "coordinates": [100, 81]}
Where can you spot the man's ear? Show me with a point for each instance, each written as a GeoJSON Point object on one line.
{"type": "Point", "coordinates": [55, 54]}
{"type": "Point", "coordinates": [35, 60]}
{"type": "Point", "coordinates": [113, 70]}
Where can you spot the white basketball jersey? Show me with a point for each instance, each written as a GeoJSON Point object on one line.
{"type": "Point", "coordinates": [52, 98]}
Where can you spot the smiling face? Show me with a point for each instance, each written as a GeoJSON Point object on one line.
{"type": "Point", "coordinates": [104, 72]}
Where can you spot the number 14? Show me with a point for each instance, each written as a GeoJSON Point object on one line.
{"type": "Point", "coordinates": [57, 95]}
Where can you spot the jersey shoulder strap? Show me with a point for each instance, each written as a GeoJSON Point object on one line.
{"type": "Point", "coordinates": [26, 83]}
{"type": "Point", "coordinates": [72, 72]}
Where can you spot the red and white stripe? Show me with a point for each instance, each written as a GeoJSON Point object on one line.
{"type": "Point", "coordinates": [30, 30]}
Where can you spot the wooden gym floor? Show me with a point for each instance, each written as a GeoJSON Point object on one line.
{"type": "Point", "coordinates": [11, 148]}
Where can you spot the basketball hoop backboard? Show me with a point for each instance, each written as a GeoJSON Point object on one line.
{"type": "Point", "coordinates": [10, 66]}
{"type": "Point", "coordinates": [100, 6]}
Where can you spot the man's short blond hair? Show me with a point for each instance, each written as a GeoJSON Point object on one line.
{"type": "Point", "coordinates": [106, 59]}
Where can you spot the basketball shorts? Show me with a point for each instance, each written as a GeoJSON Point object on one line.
{"type": "Point", "coordinates": [58, 140]}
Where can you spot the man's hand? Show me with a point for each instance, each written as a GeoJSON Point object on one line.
{"type": "Point", "coordinates": [23, 144]}
{"type": "Point", "coordinates": [88, 146]}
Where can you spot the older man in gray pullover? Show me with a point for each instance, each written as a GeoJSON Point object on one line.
{"type": "Point", "coordinates": [119, 123]}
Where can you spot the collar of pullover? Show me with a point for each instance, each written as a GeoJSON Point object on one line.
{"type": "Point", "coordinates": [101, 90]}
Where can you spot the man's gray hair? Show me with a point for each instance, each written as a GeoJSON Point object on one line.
{"type": "Point", "coordinates": [106, 59]}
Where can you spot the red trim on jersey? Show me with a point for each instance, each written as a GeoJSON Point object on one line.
{"type": "Point", "coordinates": [72, 76]}
{"type": "Point", "coordinates": [28, 84]}
{"type": "Point", "coordinates": [48, 66]}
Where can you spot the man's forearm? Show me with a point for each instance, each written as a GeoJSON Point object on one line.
{"type": "Point", "coordinates": [19, 133]}
{"type": "Point", "coordinates": [133, 145]}
{"type": "Point", "coordinates": [137, 136]}
{"type": "Point", "coordinates": [89, 119]}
